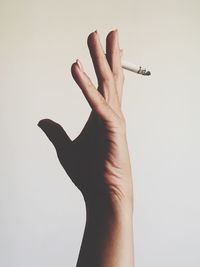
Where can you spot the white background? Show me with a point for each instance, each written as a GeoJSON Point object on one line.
{"type": "Point", "coordinates": [42, 214]}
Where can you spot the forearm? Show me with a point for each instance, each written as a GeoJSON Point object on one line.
{"type": "Point", "coordinates": [108, 237]}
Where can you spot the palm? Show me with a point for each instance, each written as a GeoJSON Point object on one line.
{"type": "Point", "coordinates": [83, 158]}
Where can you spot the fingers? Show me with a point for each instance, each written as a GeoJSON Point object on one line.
{"type": "Point", "coordinates": [113, 54]}
{"type": "Point", "coordinates": [102, 69]}
{"type": "Point", "coordinates": [93, 96]}
{"type": "Point", "coordinates": [55, 133]}
{"type": "Point", "coordinates": [100, 62]}
{"type": "Point", "coordinates": [105, 101]}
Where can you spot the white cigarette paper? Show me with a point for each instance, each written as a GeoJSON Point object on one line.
{"type": "Point", "coordinates": [130, 66]}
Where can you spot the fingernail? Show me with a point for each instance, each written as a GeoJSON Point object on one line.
{"type": "Point", "coordinates": [79, 65]}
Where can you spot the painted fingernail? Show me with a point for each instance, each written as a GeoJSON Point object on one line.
{"type": "Point", "coordinates": [79, 65]}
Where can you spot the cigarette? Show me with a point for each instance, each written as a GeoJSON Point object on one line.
{"type": "Point", "coordinates": [130, 66]}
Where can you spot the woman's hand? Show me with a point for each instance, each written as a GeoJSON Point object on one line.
{"type": "Point", "coordinates": [97, 161]}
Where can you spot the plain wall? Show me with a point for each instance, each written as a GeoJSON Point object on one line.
{"type": "Point", "coordinates": [42, 214]}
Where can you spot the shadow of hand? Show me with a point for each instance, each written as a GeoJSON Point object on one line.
{"type": "Point", "coordinates": [83, 158]}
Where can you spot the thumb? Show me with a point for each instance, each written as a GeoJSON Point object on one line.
{"type": "Point", "coordinates": [55, 133]}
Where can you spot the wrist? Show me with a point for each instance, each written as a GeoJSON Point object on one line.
{"type": "Point", "coordinates": [106, 206]}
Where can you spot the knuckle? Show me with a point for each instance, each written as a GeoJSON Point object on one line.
{"type": "Point", "coordinates": [115, 75]}
{"type": "Point", "coordinates": [119, 76]}
{"type": "Point", "coordinates": [89, 83]}
{"type": "Point", "coordinates": [107, 79]}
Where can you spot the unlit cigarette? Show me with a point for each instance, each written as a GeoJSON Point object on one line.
{"type": "Point", "coordinates": [130, 66]}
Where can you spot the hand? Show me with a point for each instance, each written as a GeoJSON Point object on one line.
{"type": "Point", "coordinates": [97, 161]}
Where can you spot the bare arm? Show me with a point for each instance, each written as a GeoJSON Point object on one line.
{"type": "Point", "coordinates": [98, 160]}
{"type": "Point", "coordinates": [108, 237]}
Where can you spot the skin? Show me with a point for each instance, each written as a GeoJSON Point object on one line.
{"type": "Point", "coordinates": [98, 161]}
